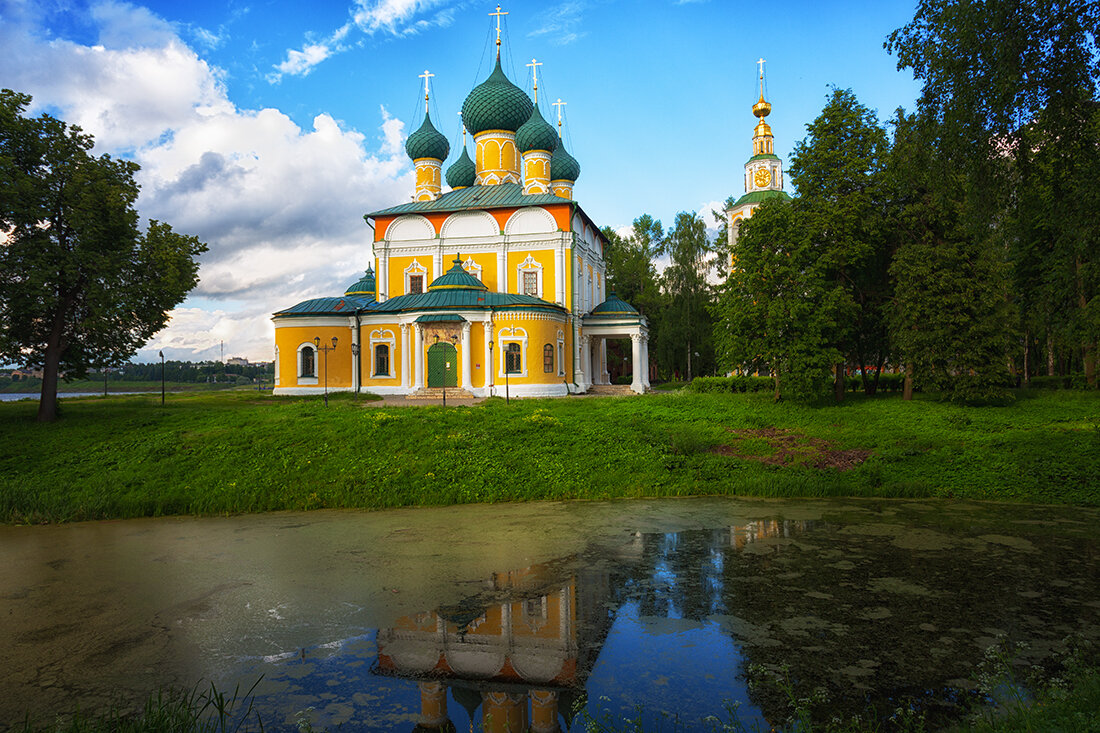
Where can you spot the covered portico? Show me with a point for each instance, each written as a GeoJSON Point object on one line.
{"type": "Point", "coordinates": [613, 319]}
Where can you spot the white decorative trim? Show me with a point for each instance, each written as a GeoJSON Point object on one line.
{"type": "Point", "coordinates": [471, 267]}
{"type": "Point", "coordinates": [529, 265]}
{"type": "Point", "coordinates": [382, 337]}
{"type": "Point", "coordinates": [277, 370]}
{"type": "Point", "coordinates": [300, 378]}
{"type": "Point", "coordinates": [415, 269]}
{"type": "Point", "coordinates": [531, 220]}
{"type": "Point", "coordinates": [469, 225]}
{"type": "Point", "coordinates": [405, 228]}
{"type": "Point", "coordinates": [514, 335]}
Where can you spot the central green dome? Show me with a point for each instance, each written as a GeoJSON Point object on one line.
{"type": "Point", "coordinates": [456, 278]}
{"type": "Point", "coordinates": [536, 134]}
{"type": "Point", "coordinates": [427, 142]}
{"type": "Point", "coordinates": [496, 104]}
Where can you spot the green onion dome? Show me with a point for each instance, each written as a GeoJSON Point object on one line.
{"type": "Point", "coordinates": [563, 166]}
{"type": "Point", "coordinates": [365, 286]}
{"type": "Point", "coordinates": [496, 104]}
{"type": "Point", "coordinates": [427, 142]}
{"type": "Point", "coordinates": [614, 306]}
{"type": "Point", "coordinates": [536, 134]}
{"type": "Point", "coordinates": [461, 173]}
{"type": "Point", "coordinates": [456, 278]}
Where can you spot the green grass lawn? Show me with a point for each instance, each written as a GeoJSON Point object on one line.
{"type": "Point", "coordinates": [225, 452]}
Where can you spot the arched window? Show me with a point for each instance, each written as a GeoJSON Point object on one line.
{"type": "Point", "coordinates": [382, 360]}
{"type": "Point", "coordinates": [548, 359]}
{"type": "Point", "coordinates": [308, 362]}
{"type": "Point", "coordinates": [513, 359]}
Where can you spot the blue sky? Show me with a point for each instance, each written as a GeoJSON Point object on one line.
{"type": "Point", "coordinates": [268, 128]}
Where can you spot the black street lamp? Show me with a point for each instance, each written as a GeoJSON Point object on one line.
{"type": "Point", "coordinates": [326, 348]}
{"type": "Point", "coordinates": [491, 364]}
{"type": "Point", "coordinates": [355, 351]}
{"type": "Point", "coordinates": [162, 379]}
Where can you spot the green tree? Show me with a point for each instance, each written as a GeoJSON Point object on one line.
{"type": "Point", "coordinates": [1010, 93]}
{"type": "Point", "coordinates": [685, 340]}
{"type": "Point", "coordinates": [779, 310]}
{"type": "Point", "coordinates": [838, 170]}
{"type": "Point", "coordinates": [80, 284]}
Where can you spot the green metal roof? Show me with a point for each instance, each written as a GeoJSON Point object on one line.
{"type": "Point", "coordinates": [441, 318]}
{"type": "Point", "coordinates": [475, 197]}
{"type": "Point", "coordinates": [461, 299]}
{"type": "Point", "coordinates": [757, 197]}
{"type": "Point", "coordinates": [536, 134]}
{"type": "Point", "coordinates": [763, 156]}
{"type": "Point", "coordinates": [462, 172]}
{"type": "Point", "coordinates": [456, 278]}
{"type": "Point", "coordinates": [496, 104]}
{"type": "Point", "coordinates": [614, 306]}
{"type": "Point", "coordinates": [427, 142]}
{"type": "Point", "coordinates": [327, 306]}
{"type": "Point", "coordinates": [564, 166]}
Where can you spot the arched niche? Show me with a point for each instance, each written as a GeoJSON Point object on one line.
{"type": "Point", "coordinates": [410, 226]}
{"type": "Point", "coordinates": [469, 224]}
{"type": "Point", "coordinates": [531, 220]}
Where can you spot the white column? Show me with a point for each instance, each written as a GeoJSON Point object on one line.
{"type": "Point", "coordinates": [405, 355]}
{"type": "Point", "coordinates": [502, 271]}
{"type": "Point", "coordinates": [645, 360]}
{"type": "Point", "coordinates": [384, 275]}
{"type": "Point", "coordinates": [419, 356]}
{"type": "Point", "coordinates": [636, 382]}
{"type": "Point", "coordinates": [586, 362]}
{"type": "Point", "coordinates": [605, 378]}
{"type": "Point", "coordinates": [487, 381]}
{"type": "Point", "coordinates": [356, 360]}
{"type": "Point", "coordinates": [437, 265]}
{"type": "Point", "coordinates": [559, 273]}
{"type": "Point", "coordinates": [467, 362]}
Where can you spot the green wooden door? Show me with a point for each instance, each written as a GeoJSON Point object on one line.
{"type": "Point", "coordinates": [442, 365]}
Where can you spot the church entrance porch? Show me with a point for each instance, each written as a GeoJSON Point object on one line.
{"type": "Point", "coordinates": [442, 365]}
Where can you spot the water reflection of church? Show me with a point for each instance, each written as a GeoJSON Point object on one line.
{"type": "Point", "coordinates": [518, 653]}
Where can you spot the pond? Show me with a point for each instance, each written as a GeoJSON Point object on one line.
{"type": "Point", "coordinates": [497, 617]}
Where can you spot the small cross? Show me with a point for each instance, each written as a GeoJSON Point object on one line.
{"type": "Point", "coordinates": [425, 76]}
{"type": "Point", "coordinates": [535, 70]}
{"type": "Point", "coordinates": [559, 104]}
{"type": "Point", "coordinates": [760, 63]}
{"type": "Point", "coordinates": [498, 14]}
{"type": "Point", "coordinates": [463, 129]}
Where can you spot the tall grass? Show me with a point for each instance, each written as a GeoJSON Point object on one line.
{"type": "Point", "coordinates": [233, 452]}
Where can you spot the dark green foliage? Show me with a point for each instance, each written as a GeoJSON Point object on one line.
{"type": "Point", "coordinates": [685, 345]}
{"type": "Point", "coordinates": [80, 284]}
{"type": "Point", "coordinates": [723, 385]}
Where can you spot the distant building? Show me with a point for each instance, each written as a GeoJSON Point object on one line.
{"type": "Point", "coordinates": [237, 361]}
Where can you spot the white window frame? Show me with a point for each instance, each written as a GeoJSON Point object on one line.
{"type": "Point", "coordinates": [528, 265]}
{"type": "Point", "coordinates": [473, 268]}
{"type": "Point", "coordinates": [298, 363]}
{"type": "Point", "coordinates": [513, 335]}
{"type": "Point", "coordinates": [415, 269]}
{"type": "Point", "coordinates": [381, 336]}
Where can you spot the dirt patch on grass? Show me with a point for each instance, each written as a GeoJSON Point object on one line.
{"type": "Point", "coordinates": [786, 447]}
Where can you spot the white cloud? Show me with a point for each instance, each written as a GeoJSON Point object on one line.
{"type": "Point", "coordinates": [281, 207]}
{"type": "Point", "coordinates": [560, 24]}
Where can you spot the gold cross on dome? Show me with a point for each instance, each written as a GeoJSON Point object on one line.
{"type": "Point", "coordinates": [535, 70]}
{"type": "Point", "coordinates": [463, 129]}
{"type": "Point", "coordinates": [559, 104]}
{"type": "Point", "coordinates": [498, 14]}
{"type": "Point", "coordinates": [425, 76]}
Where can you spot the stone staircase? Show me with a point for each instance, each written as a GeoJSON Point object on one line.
{"type": "Point", "coordinates": [614, 390]}
{"type": "Point", "coordinates": [436, 393]}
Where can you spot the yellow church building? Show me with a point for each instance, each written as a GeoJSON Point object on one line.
{"type": "Point", "coordinates": [496, 284]}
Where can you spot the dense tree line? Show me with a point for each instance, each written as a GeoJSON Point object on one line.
{"type": "Point", "coordinates": [190, 372]}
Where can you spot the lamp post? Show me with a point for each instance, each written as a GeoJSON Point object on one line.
{"type": "Point", "coordinates": [491, 363]}
{"type": "Point", "coordinates": [326, 348]}
{"type": "Point", "coordinates": [507, 396]}
{"type": "Point", "coordinates": [355, 350]}
{"type": "Point", "coordinates": [162, 379]}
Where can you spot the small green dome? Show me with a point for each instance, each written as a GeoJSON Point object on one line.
{"type": "Point", "coordinates": [366, 285]}
{"type": "Point", "coordinates": [461, 173]}
{"type": "Point", "coordinates": [536, 134]}
{"type": "Point", "coordinates": [456, 278]}
{"type": "Point", "coordinates": [496, 104]}
{"type": "Point", "coordinates": [427, 142]}
{"type": "Point", "coordinates": [614, 306]}
{"type": "Point", "coordinates": [563, 166]}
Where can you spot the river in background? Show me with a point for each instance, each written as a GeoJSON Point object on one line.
{"type": "Point", "coordinates": [15, 396]}
{"type": "Point", "coordinates": [523, 614]}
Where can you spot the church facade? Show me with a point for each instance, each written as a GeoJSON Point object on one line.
{"type": "Point", "coordinates": [497, 284]}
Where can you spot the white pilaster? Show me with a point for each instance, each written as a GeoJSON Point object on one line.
{"type": "Point", "coordinates": [636, 382]}
{"type": "Point", "coordinates": [437, 265]}
{"type": "Point", "coordinates": [586, 362]}
{"type": "Point", "coordinates": [487, 381]}
{"type": "Point", "coordinates": [467, 362]}
{"type": "Point", "coordinates": [502, 271]}
{"type": "Point", "coordinates": [559, 273]}
{"type": "Point", "coordinates": [384, 275]}
{"type": "Point", "coordinates": [405, 355]}
{"type": "Point", "coordinates": [419, 356]}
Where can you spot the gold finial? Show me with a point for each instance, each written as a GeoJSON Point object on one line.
{"type": "Point", "coordinates": [535, 70]}
{"type": "Point", "coordinates": [425, 76]}
{"type": "Point", "coordinates": [761, 109]}
{"type": "Point", "coordinates": [498, 14]}
{"type": "Point", "coordinates": [559, 104]}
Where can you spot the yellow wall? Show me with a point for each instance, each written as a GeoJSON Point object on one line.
{"type": "Point", "coordinates": [543, 257]}
{"type": "Point", "coordinates": [367, 354]}
{"type": "Point", "coordinates": [396, 278]}
{"type": "Point", "coordinates": [488, 263]}
{"type": "Point", "coordinates": [289, 337]}
{"type": "Point", "coordinates": [539, 333]}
